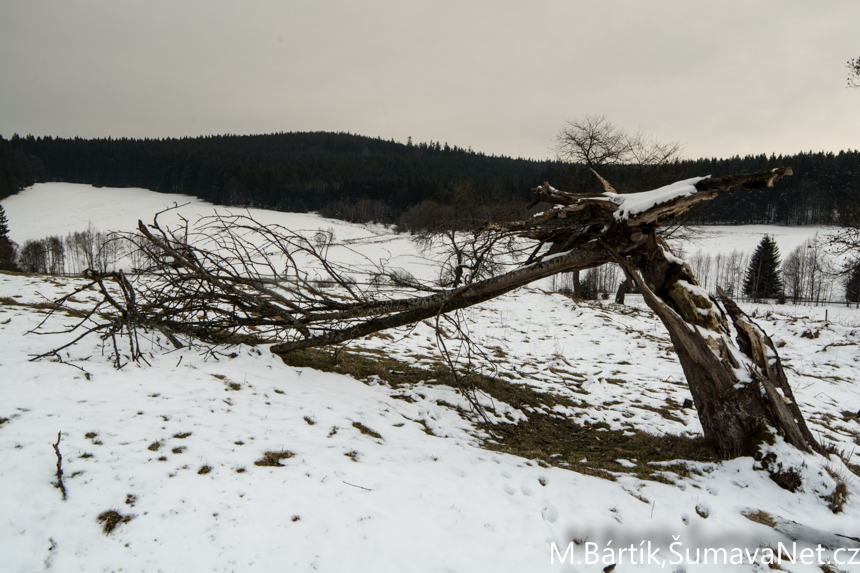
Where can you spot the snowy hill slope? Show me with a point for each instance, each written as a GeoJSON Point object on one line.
{"type": "Point", "coordinates": [391, 472]}
{"type": "Point", "coordinates": [58, 208]}
{"type": "Point", "coordinates": [174, 446]}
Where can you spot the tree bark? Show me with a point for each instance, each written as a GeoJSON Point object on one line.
{"type": "Point", "coordinates": [726, 381]}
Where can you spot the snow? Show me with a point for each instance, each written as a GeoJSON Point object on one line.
{"type": "Point", "coordinates": [73, 207]}
{"type": "Point", "coordinates": [408, 501]}
{"type": "Point", "coordinates": [716, 239]}
{"type": "Point", "coordinates": [632, 204]}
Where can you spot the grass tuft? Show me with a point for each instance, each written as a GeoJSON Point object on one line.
{"type": "Point", "coordinates": [788, 478]}
{"type": "Point", "coordinates": [367, 431]}
{"type": "Point", "coordinates": [111, 518]}
{"type": "Point", "coordinates": [761, 517]}
{"type": "Point", "coordinates": [273, 459]}
{"type": "Point", "coordinates": [837, 499]}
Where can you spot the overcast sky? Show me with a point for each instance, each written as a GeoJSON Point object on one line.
{"type": "Point", "coordinates": [722, 77]}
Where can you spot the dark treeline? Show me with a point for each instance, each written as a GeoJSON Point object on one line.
{"type": "Point", "coordinates": [824, 189]}
{"type": "Point", "coordinates": [360, 178]}
{"type": "Point", "coordinates": [343, 175]}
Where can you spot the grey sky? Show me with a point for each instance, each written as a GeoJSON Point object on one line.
{"type": "Point", "coordinates": [722, 77]}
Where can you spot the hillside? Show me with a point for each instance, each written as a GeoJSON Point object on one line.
{"type": "Point", "coordinates": [229, 459]}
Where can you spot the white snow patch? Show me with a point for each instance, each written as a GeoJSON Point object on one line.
{"type": "Point", "coordinates": [632, 204]}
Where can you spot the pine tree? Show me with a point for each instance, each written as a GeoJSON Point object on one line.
{"type": "Point", "coordinates": [4, 224]}
{"type": "Point", "coordinates": [8, 249]}
{"type": "Point", "coordinates": [852, 286]}
{"type": "Point", "coordinates": [763, 279]}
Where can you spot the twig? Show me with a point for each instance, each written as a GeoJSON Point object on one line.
{"type": "Point", "coordinates": [832, 344]}
{"type": "Point", "coordinates": [358, 486]}
{"type": "Point", "coordinates": [59, 483]}
{"type": "Point", "coordinates": [59, 358]}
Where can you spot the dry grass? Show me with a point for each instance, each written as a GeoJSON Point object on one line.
{"type": "Point", "coordinates": [837, 499]}
{"type": "Point", "coordinates": [761, 517]}
{"type": "Point", "coordinates": [273, 459]}
{"type": "Point", "coordinates": [367, 431]}
{"type": "Point", "coordinates": [559, 441]}
{"type": "Point", "coordinates": [111, 518]}
{"type": "Point", "coordinates": [788, 478]}
{"type": "Point", "coordinates": [550, 438]}
{"type": "Point", "coordinates": [45, 305]}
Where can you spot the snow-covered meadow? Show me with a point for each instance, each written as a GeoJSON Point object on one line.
{"type": "Point", "coordinates": [382, 477]}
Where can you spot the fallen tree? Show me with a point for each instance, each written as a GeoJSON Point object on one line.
{"type": "Point", "coordinates": [232, 279]}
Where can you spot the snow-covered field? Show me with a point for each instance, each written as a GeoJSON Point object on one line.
{"type": "Point", "coordinates": [713, 240]}
{"type": "Point", "coordinates": [59, 208]}
{"type": "Point", "coordinates": [173, 445]}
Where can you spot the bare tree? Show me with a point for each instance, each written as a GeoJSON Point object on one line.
{"type": "Point", "coordinates": [56, 255]}
{"type": "Point", "coordinates": [33, 257]}
{"type": "Point", "coordinates": [845, 243]}
{"type": "Point", "coordinates": [853, 66]}
{"type": "Point", "coordinates": [596, 142]}
{"type": "Point", "coordinates": [809, 273]}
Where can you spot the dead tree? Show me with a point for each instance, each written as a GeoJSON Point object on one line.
{"type": "Point", "coordinates": [233, 279]}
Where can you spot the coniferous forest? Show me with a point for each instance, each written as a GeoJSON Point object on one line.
{"type": "Point", "coordinates": [361, 178]}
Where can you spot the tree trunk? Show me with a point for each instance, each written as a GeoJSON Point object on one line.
{"type": "Point", "coordinates": [726, 381]}
{"type": "Point", "coordinates": [577, 286]}
{"type": "Point", "coordinates": [622, 290]}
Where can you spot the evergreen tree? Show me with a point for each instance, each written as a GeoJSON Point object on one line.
{"type": "Point", "coordinates": [763, 279]}
{"type": "Point", "coordinates": [8, 248]}
{"type": "Point", "coordinates": [4, 224]}
{"type": "Point", "coordinates": [852, 286]}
